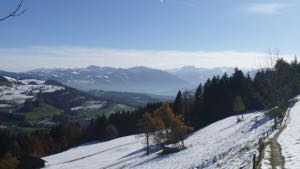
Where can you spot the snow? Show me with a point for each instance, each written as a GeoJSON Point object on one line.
{"type": "Point", "coordinates": [22, 90]}
{"type": "Point", "coordinates": [265, 163]}
{"type": "Point", "coordinates": [10, 79]}
{"type": "Point", "coordinates": [27, 81]}
{"type": "Point", "coordinates": [289, 139]}
{"type": "Point", "coordinates": [95, 155]}
{"type": "Point", "coordinates": [76, 108]}
{"type": "Point", "coordinates": [224, 144]}
{"type": "Point", "coordinates": [93, 106]}
{"type": "Point", "coordinates": [102, 76]}
{"type": "Point", "coordinates": [4, 105]}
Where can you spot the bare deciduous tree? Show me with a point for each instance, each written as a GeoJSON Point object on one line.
{"type": "Point", "coordinates": [17, 12]}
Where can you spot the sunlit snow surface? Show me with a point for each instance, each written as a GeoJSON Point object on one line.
{"type": "Point", "coordinates": [224, 144]}
{"type": "Point", "coordinates": [20, 90]}
{"type": "Point", "coordinates": [266, 164]}
{"type": "Point", "coordinates": [290, 139]}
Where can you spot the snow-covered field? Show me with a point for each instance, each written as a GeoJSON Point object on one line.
{"type": "Point", "coordinates": [20, 90]}
{"type": "Point", "coordinates": [224, 144]}
{"type": "Point", "coordinates": [290, 139]}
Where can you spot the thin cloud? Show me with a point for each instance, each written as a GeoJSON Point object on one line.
{"type": "Point", "coordinates": [68, 57]}
{"type": "Point", "coordinates": [265, 8]}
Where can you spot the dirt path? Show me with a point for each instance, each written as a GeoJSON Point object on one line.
{"type": "Point", "coordinates": [277, 158]}
{"type": "Point", "coordinates": [276, 153]}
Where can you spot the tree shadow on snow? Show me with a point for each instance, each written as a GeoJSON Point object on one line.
{"type": "Point", "coordinates": [152, 159]}
{"type": "Point", "coordinates": [259, 122]}
{"type": "Point", "coordinates": [153, 149]}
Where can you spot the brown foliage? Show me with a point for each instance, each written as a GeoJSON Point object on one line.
{"type": "Point", "coordinates": [111, 132]}
{"type": "Point", "coordinates": [36, 146]}
{"type": "Point", "coordinates": [8, 162]}
{"type": "Point", "coordinates": [164, 126]}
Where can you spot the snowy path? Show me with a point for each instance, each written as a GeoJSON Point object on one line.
{"type": "Point", "coordinates": [290, 139]}
{"type": "Point", "coordinates": [276, 154]}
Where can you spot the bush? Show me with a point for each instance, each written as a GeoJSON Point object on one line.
{"type": "Point", "coordinates": [170, 150]}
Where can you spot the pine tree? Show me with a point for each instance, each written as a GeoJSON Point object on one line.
{"type": "Point", "coordinates": [187, 102]}
{"type": "Point", "coordinates": [178, 103]}
{"type": "Point", "coordinates": [198, 93]}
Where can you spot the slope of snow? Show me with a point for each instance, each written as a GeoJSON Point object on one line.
{"type": "Point", "coordinates": [224, 144]}
{"type": "Point", "coordinates": [289, 139]}
{"type": "Point", "coordinates": [10, 79]}
{"type": "Point", "coordinates": [20, 90]}
{"type": "Point", "coordinates": [96, 155]}
{"type": "Point", "coordinates": [266, 164]}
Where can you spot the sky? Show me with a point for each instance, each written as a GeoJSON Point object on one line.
{"type": "Point", "coordinates": [161, 34]}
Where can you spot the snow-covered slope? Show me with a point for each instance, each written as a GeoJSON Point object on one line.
{"type": "Point", "coordinates": [224, 144]}
{"type": "Point", "coordinates": [290, 139]}
{"type": "Point", "coordinates": [17, 91]}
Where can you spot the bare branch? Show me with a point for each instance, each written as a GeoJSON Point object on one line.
{"type": "Point", "coordinates": [16, 12]}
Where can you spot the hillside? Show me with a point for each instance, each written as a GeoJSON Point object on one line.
{"type": "Point", "coordinates": [37, 103]}
{"type": "Point", "coordinates": [225, 144]}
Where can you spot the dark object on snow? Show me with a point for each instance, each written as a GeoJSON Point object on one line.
{"type": "Point", "coordinates": [170, 150]}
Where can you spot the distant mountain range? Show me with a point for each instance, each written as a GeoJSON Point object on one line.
{"type": "Point", "coordinates": [195, 75]}
{"type": "Point", "coordinates": [135, 79]}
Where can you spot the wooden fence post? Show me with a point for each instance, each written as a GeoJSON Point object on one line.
{"type": "Point", "coordinates": [254, 161]}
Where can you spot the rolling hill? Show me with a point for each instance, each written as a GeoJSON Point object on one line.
{"type": "Point", "coordinates": [223, 144]}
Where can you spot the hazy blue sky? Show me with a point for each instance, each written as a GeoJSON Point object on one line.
{"type": "Point", "coordinates": [109, 32]}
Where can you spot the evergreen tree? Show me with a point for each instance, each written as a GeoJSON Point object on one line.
{"type": "Point", "coordinates": [177, 107]}
{"type": "Point", "coordinates": [187, 102]}
{"type": "Point", "coordinates": [198, 93]}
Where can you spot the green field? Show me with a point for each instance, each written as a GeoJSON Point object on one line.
{"type": "Point", "coordinates": [106, 111]}
{"type": "Point", "coordinates": [116, 108]}
{"type": "Point", "coordinates": [42, 111]}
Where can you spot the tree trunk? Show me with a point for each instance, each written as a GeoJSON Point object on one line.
{"type": "Point", "coordinates": [147, 144]}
